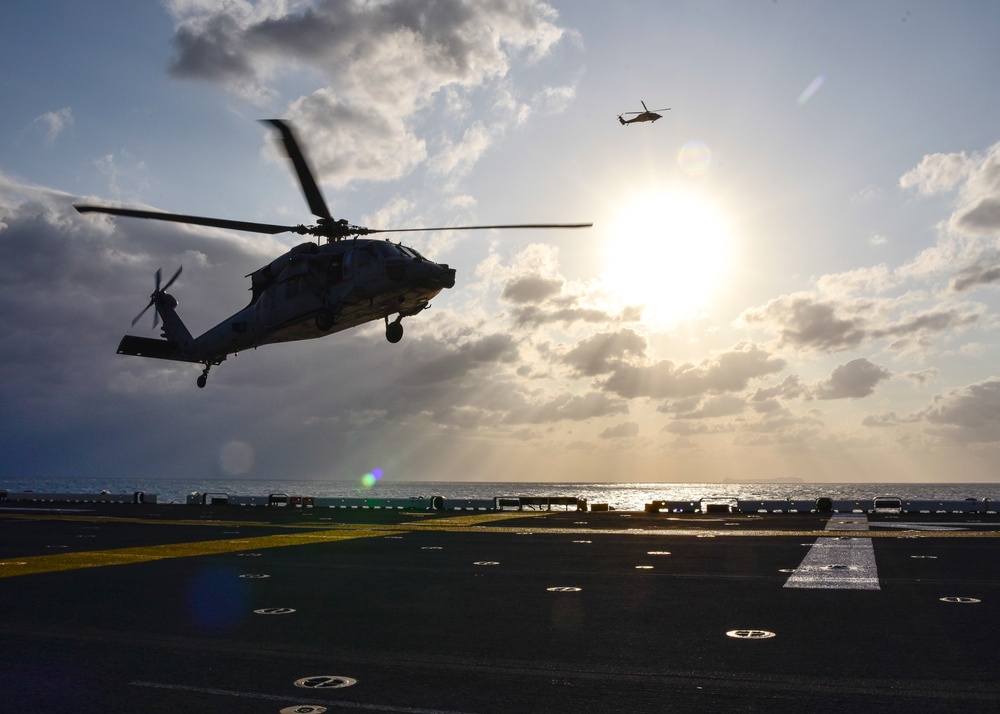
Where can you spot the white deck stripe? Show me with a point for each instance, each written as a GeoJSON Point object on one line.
{"type": "Point", "coordinates": [842, 563]}
{"type": "Point", "coordinates": [929, 526]}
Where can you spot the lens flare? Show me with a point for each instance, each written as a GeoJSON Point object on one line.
{"type": "Point", "coordinates": [812, 89]}
{"type": "Point", "coordinates": [694, 158]}
{"type": "Point", "coordinates": [371, 478]}
{"type": "Point", "coordinates": [236, 457]}
{"type": "Point", "coordinates": [217, 599]}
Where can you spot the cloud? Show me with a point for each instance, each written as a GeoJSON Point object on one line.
{"type": "Point", "coordinates": [790, 388]}
{"type": "Point", "coordinates": [782, 429]}
{"type": "Point", "coordinates": [855, 380]}
{"type": "Point", "coordinates": [685, 427]}
{"type": "Point", "coordinates": [983, 271]}
{"type": "Point", "coordinates": [804, 321]}
{"type": "Point", "coordinates": [937, 173]}
{"type": "Point", "coordinates": [555, 100]}
{"type": "Point", "coordinates": [600, 353]}
{"type": "Point", "coordinates": [711, 407]}
{"type": "Point", "coordinates": [923, 377]}
{"type": "Point", "coordinates": [463, 358]}
{"type": "Point", "coordinates": [121, 172]}
{"type": "Point", "coordinates": [381, 64]}
{"type": "Point", "coordinates": [968, 414]}
{"type": "Point", "coordinates": [459, 157]}
{"type": "Point", "coordinates": [209, 48]}
{"type": "Point", "coordinates": [963, 415]}
{"type": "Point", "coordinates": [875, 279]}
{"type": "Point", "coordinates": [934, 320]}
{"type": "Point", "coordinates": [983, 217]}
{"type": "Point", "coordinates": [625, 430]}
{"type": "Point", "coordinates": [808, 322]}
{"type": "Point", "coordinates": [344, 143]}
{"type": "Point", "coordinates": [728, 371]}
{"type": "Point", "coordinates": [541, 296]}
{"type": "Point", "coordinates": [531, 315]}
{"type": "Point", "coordinates": [53, 124]}
{"type": "Point", "coordinates": [967, 242]}
{"type": "Point", "coordinates": [887, 419]}
{"type": "Point", "coordinates": [567, 407]}
{"type": "Point", "coordinates": [534, 261]}
{"type": "Point", "coordinates": [978, 212]}
{"type": "Point", "coordinates": [531, 289]}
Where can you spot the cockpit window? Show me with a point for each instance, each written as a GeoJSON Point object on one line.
{"type": "Point", "coordinates": [407, 250]}
{"type": "Point", "coordinates": [388, 250]}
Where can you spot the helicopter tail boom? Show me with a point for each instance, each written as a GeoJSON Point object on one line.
{"type": "Point", "coordinates": [178, 343]}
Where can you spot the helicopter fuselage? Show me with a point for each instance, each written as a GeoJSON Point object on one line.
{"type": "Point", "coordinates": [645, 116]}
{"type": "Point", "coordinates": [309, 292]}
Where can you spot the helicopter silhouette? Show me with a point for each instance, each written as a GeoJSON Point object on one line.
{"type": "Point", "coordinates": [645, 115]}
{"type": "Point", "coordinates": [311, 291]}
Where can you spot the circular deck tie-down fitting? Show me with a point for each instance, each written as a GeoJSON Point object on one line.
{"type": "Point", "coordinates": [750, 634]}
{"type": "Point", "coordinates": [325, 681]}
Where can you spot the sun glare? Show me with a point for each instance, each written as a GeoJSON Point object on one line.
{"type": "Point", "coordinates": [669, 252]}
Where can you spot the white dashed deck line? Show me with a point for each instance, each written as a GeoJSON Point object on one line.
{"type": "Point", "coordinates": [841, 563]}
{"type": "Point", "coordinates": [924, 526]}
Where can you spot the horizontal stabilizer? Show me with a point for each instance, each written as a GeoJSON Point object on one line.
{"type": "Point", "coordinates": [149, 347]}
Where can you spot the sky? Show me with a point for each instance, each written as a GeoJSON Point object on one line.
{"type": "Point", "coordinates": [793, 274]}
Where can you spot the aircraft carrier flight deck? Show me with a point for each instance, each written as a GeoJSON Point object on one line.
{"type": "Point", "coordinates": [297, 607]}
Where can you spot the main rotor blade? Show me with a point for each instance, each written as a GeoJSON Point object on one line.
{"type": "Point", "coordinates": [195, 220]}
{"type": "Point", "coordinates": [306, 179]}
{"type": "Point", "coordinates": [477, 228]}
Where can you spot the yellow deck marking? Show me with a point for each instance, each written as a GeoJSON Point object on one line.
{"type": "Point", "coordinates": [430, 522]}
{"type": "Point", "coordinates": [471, 520]}
{"type": "Point", "coordinates": [473, 523]}
{"type": "Point", "coordinates": [124, 556]}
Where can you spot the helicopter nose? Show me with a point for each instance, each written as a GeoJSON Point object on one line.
{"type": "Point", "coordinates": [395, 270]}
{"type": "Point", "coordinates": [421, 274]}
{"type": "Point", "coordinates": [428, 274]}
{"type": "Point", "coordinates": [446, 278]}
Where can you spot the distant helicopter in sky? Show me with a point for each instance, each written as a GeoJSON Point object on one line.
{"type": "Point", "coordinates": [645, 115]}
{"type": "Point", "coordinates": [311, 291]}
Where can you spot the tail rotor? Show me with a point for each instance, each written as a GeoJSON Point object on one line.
{"type": "Point", "coordinates": [158, 294]}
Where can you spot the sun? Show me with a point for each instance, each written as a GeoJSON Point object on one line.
{"type": "Point", "coordinates": [668, 252]}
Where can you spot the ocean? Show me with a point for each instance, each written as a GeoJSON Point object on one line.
{"type": "Point", "coordinates": [620, 496]}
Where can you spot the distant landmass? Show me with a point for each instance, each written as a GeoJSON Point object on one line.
{"type": "Point", "coordinates": [778, 479]}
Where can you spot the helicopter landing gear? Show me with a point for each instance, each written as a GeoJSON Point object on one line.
{"type": "Point", "coordinates": [203, 379]}
{"type": "Point", "coordinates": [394, 329]}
